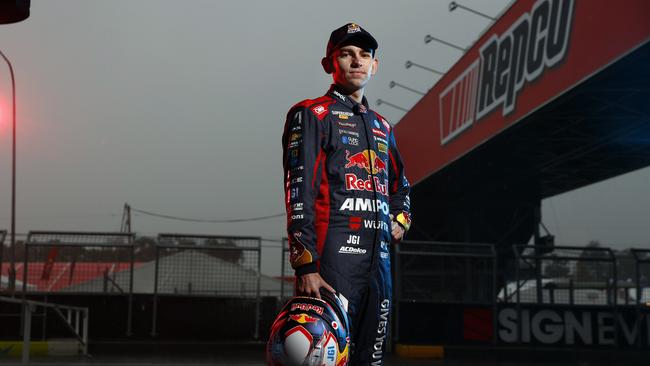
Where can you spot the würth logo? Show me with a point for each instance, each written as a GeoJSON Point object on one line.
{"type": "Point", "coordinates": [536, 42]}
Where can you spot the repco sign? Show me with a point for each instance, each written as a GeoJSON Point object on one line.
{"type": "Point", "coordinates": [536, 42]}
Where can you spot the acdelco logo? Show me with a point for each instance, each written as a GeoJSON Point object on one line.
{"type": "Point", "coordinates": [537, 41]}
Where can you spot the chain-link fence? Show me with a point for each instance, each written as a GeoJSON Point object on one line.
{"type": "Point", "coordinates": [564, 275]}
{"type": "Point", "coordinates": [445, 272]}
{"type": "Point", "coordinates": [433, 273]}
{"type": "Point", "coordinates": [207, 271]}
{"type": "Point", "coordinates": [642, 276]}
{"type": "Point", "coordinates": [75, 262]}
{"type": "Point", "coordinates": [208, 265]}
{"type": "Point", "coordinates": [205, 265]}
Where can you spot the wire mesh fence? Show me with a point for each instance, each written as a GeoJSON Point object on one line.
{"type": "Point", "coordinates": [75, 262]}
{"type": "Point", "coordinates": [225, 268]}
{"type": "Point", "coordinates": [208, 265]}
{"type": "Point", "coordinates": [205, 265]}
{"type": "Point", "coordinates": [445, 272]}
{"type": "Point", "coordinates": [565, 275]}
{"type": "Point", "coordinates": [642, 276]}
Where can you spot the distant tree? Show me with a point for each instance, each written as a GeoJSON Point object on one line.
{"type": "Point", "coordinates": [590, 268]}
{"type": "Point", "coordinates": [625, 265]}
{"type": "Point", "coordinates": [231, 253]}
{"type": "Point", "coordinates": [145, 249]}
{"type": "Point", "coordinates": [557, 268]}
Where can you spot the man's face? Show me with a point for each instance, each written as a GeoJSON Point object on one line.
{"type": "Point", "coordinates": [352, 67]}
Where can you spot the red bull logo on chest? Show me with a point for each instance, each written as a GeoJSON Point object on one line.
{"type": "Point", "coordinates": [366, 159]}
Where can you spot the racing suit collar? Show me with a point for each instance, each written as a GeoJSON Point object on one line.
{"type": "Point", "coordinates": [336, 93]}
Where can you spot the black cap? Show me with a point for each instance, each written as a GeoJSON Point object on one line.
{"type": "Point", "coordinates": [353, 34]}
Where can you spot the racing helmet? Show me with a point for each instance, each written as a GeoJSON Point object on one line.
{"type": "Point", "coordinates": [310, 332]}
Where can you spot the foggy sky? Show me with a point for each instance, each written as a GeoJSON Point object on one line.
{"type": "Point", "coordinates": [177, 107]}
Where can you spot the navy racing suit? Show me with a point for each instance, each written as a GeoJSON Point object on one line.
{"type": "Point", "coordinates": [343, 178]}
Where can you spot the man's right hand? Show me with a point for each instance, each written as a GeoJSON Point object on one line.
{"type": "Point", "coordinates": [309, 285]}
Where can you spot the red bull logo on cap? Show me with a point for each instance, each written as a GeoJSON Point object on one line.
{"type": "Point", "coordinates": [372, 164]}
{"type": "Point", "coordinates": [353, 28]}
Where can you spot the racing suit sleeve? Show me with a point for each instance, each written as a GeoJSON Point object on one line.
{"type": "Point", "coordinates": [400, 203]}
{"type": "Point", "coordinates": [302, 141]}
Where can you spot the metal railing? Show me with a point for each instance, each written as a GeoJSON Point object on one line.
{"type": "Point", "coordinates": [222, 267]}
{"type": "Point", "coordinates": [76, 320]}
{"type": "Point", "coordinates": [642, 289]}
{"type": "Point", "coordinates": [564, 275]}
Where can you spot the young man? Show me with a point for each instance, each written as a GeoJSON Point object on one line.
{"type": "Point", "coordinates": [346, 193]}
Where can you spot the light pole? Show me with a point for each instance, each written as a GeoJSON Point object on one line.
{"type": "Point", "coordinates": [12, 268]}
{"type": "Point", "coordinates": [392, 84]}
{"type": "Point", "coordinates": [428, 38]}
{"type": "Point", "coordinates": [453, 5]}
{"type": "Point", "coordinates": [411, 63]}
{"type": "Point", "coordinates": [380, 102]}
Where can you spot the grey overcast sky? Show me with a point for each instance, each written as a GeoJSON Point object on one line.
{"type": "Point", "coordinates": [177, 107]}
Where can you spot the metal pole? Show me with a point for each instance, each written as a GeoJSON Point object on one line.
{"type": "Point", "coordinates": [258, 315]}
{"type": "Point", "coordinates": [428, 38]}
{"type": "Point", "coordinates": [518, 289]}
{"type": "Point", "coordinates": [26, 332]}
{"type": "Point", "coordinates": [411, 63]}
{"type": "Point", "coordinates": [13, 172]}
{"type": "Point", "coordinates": [155, 294]}
{"type": "Point", "coordinates": [393, 84]}
{"type": "Point", "coordinates": [494, 296]}
{"type": "Point", "coordinates": [44, 329]}
{"type": "Point", "coordinates": [453, 5]}
{"type": "Point", "coordinates": [381, 101]}
{"type": "Point", "coordinates": [638, 299]}
{"type": "Point", "coordinates": [86, 318]}
{"type": "Point", "coordinates": [130, 314]}
{"type": "Point", "coordinates": [615, 300]}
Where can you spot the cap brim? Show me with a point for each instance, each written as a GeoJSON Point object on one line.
{"type": "Point", "coordinates": [364, 41]}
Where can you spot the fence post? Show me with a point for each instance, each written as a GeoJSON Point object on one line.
{"type": "Point", "coordinates": [495, 323]}
{"type": "Point", "coordinates": [2, 246]}
{"type": "Point", "coordinates": [86, 318]}
{"type": "Point", "coordinates": [615, 299]}
{"type": "Point", "coordinates": [258, 315]}
{"type": "Point", "coordinates": [27, 331]}
{"type": "Point", "coordinates": [129, 321]}
{"type": "Point", "coordinates": [154, 321]}
{"type": "Point", "coordinates": [639, 293]}
{"type": "Point", "coordinates": [25, 268]}
{"type": "Point", "coordinates": [518, 289]}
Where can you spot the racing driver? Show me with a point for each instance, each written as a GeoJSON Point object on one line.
{"type": "Point", "coordinates": [346, 194]}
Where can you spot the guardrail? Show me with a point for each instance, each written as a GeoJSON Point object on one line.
{"type": "Point", "coordinates": [76, 321]}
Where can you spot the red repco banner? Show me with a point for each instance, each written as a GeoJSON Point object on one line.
{"type": "Point", "coordinates": [535, 52]}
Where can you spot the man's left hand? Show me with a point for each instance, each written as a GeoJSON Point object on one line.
{"type": "Point", "coordinates": [397, 231]}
